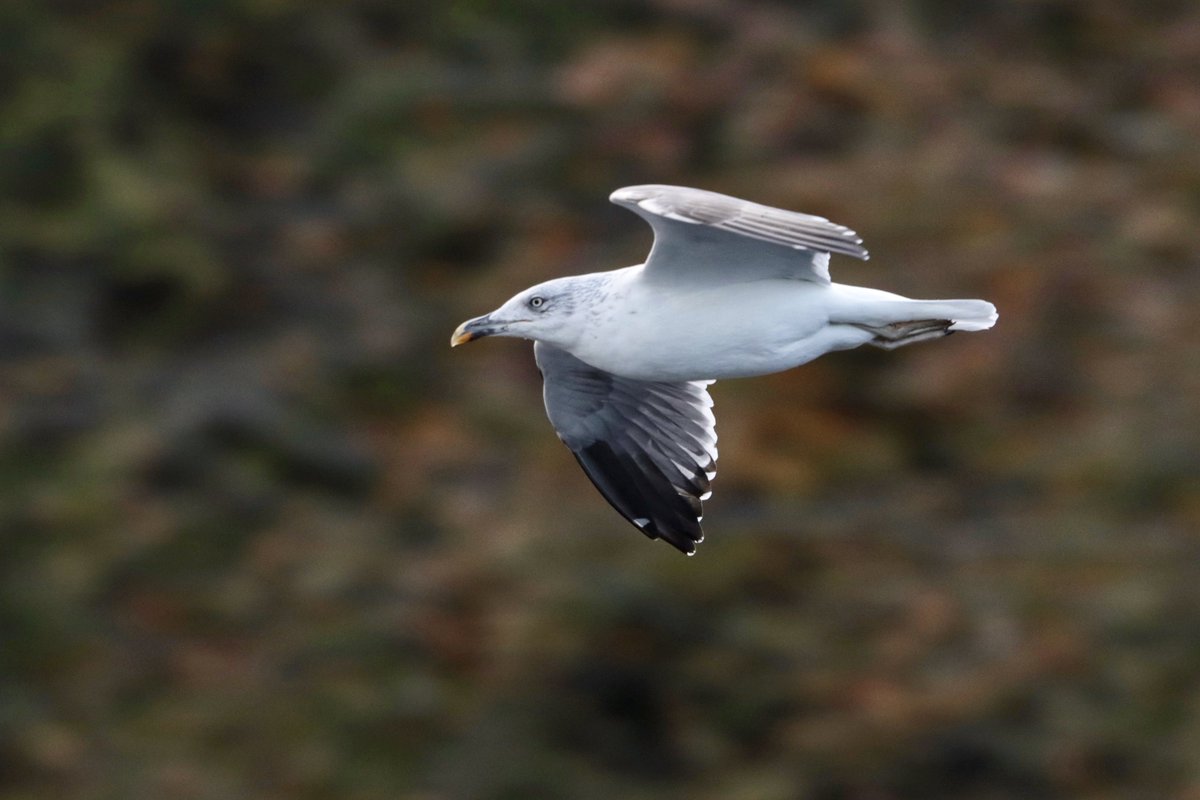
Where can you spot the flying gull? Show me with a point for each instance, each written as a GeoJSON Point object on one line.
{"type": "Point", "coordinates": [731, 289]}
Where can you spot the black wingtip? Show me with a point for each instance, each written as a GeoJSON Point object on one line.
{"type": "Point", "coordinates": [643, 496]}
{"type": "Point", "coordinates": [680, 540]}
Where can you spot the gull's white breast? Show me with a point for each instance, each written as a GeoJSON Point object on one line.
{"type": "Point", "coordinates": [648, 332]}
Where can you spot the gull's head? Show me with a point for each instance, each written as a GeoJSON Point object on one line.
{"type": "Point", "coordinates": [543, 313]}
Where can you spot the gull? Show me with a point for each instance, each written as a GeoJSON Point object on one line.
{"type": "Point", "coordinates": [731, 289]}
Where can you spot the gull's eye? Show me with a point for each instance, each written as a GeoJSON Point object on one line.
{"type": "Point", "coordinates": [537, 302]}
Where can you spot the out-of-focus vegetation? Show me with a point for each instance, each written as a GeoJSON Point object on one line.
{"type": "Point", "coordinates": [265, 536]}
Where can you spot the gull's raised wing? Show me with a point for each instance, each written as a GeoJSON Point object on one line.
{"type": "Point", "coordinates": [727, 239]}
{"type": "Point", "coordinates": [650, 447]}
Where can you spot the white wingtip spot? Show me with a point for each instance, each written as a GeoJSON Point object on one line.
{"type": "Point", "coordinates": [641, 522]}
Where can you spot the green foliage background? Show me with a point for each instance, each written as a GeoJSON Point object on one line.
{"type": "Point", "coordinates": [265, 536]}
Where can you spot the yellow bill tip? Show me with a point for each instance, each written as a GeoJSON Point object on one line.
{"type": "Point", "coordinates": [461, 335]}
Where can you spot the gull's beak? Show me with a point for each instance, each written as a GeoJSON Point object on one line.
{"type": "Point", "coordinates": [473, 329]}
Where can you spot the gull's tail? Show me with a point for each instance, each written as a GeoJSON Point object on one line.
{"type": "Point", "coordinates": [896, 321]}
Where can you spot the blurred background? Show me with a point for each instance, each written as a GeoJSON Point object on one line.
{"type": "Point", "coordinates": [266, 536]}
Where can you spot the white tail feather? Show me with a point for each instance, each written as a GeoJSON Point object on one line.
{"type": "Point", "coordinates": [897, 321]}
{"type": "Point", "coordinates": [872, 308]}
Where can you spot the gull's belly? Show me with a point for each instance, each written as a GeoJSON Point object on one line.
{"type": "Point", "coordinates": [705, 334]}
